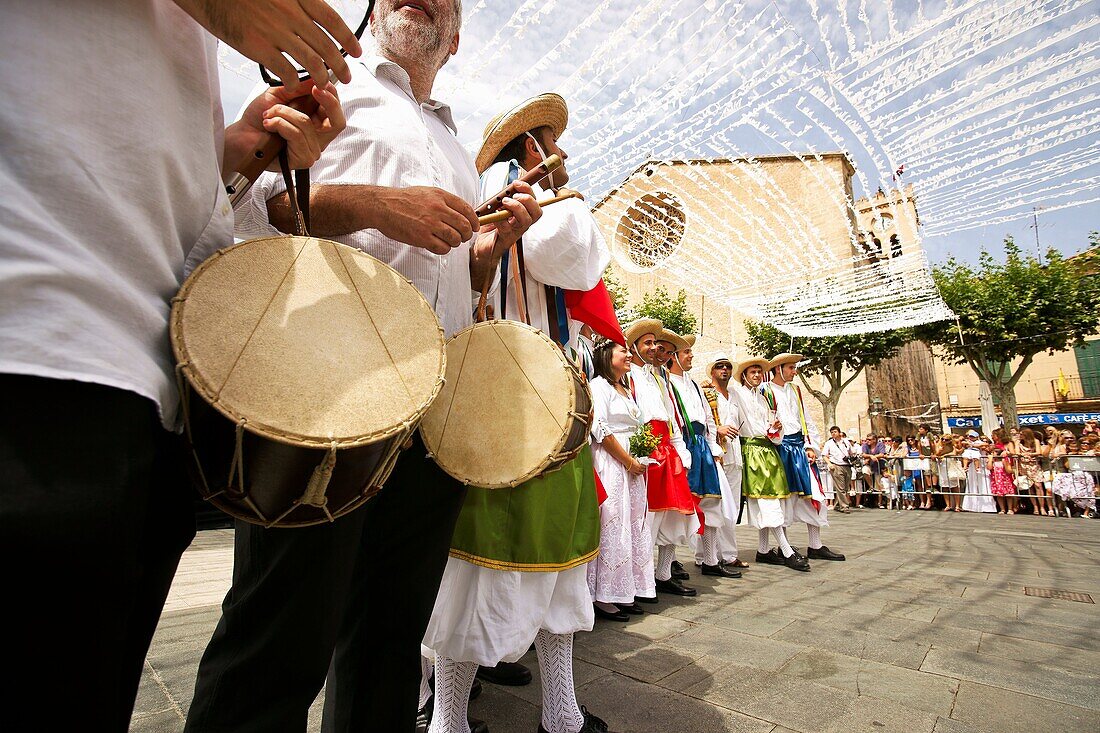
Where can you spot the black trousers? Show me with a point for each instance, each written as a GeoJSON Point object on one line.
{"type": "Point", "coordinates": [348, 600]}
{"type": "Point", "coordinates": [95, 512]}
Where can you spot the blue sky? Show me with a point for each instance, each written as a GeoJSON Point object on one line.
{"type": "Point", "coordinates": [991, 106]}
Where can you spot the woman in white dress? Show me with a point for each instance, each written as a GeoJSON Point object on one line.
{"type": "Point", "coordinates": [978, 497]}
{"type": "Point", "coordinates": [623, 571]}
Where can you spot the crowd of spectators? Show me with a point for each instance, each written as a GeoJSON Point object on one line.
{"type": "Point", "coordinates": [1046, 472]}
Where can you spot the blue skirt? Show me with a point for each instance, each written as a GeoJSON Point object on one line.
{"type": "Point", "coordinates": [703, 474]}
{"type": "Point", "coordinates": [792, 452]}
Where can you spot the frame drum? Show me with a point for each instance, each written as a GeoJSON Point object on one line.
{"type": "Point", "coordinates": [304, 367]}
{"type": "Point", "coordinates": [513, 407]}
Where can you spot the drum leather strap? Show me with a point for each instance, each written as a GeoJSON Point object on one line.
{"type": "Point", "coordinates": [297, 190]}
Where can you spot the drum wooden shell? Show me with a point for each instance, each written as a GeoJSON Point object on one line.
{"type": "Point", "coordinates": [305, 365]}
{"type": "Point", "coordinates": [513, 407]}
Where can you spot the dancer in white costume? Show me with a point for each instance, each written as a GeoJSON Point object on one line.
{"type": "Point", "coordinates": [977, 497]}
{"type": "Point", "coordinates": [623, 571]}
{"type": "Point", "coordinates": [765, 484]}
{"type": "Point", "coordinates": [496, 598]}
{"type": "Point", "coordinates": [672, 512]}
{"type": "Point", "coordinates": [726, 416]}
{"type": "Point", "coordinates": [807, 503]}
{"type": "Point", "coordinates": [718, 509]}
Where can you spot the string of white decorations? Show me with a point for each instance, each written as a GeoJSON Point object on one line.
{"type": "Point", "coordinates": [978, 111]}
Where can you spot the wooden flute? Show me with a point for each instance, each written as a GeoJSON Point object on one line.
{"type": "Point", "coordinates": [533, 176]}
{"type": "Point", "coordinates": [498, 216]}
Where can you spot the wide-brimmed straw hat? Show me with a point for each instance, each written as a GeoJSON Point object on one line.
{"type": "Point", "coordinates": [784, 358]}
{"type": "Point", "coordinates": [545, 110]}
{"type": "Point", "coordinates": [742, 366]}
{"type": "Point", "coordinates": [641, 327]}
{"type": "Point", "coordinates": [717, 360]}
{"type": "Point", "coordinates": [678, 342]}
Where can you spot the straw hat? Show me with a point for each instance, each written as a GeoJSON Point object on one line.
{"type": "Point", "coordinates": [784, 358]}
{"type": "Point", "coordinates": [641, 327]}
{"type": "Point", "coordinates": [742, 366]}
{"type": "Point", "coordinates": [678, 342]}
{"type": "Point", "coordinates": [690, 340]}
{"type": "Point", "coordinates": [717, 359]}
{"type": "Point", "coordinates": [545, 110]}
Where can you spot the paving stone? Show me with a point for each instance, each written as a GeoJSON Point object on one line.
{"type": "Point", "coordinates": [1053, 654]}
{"type": "Point", "coordinates": [1027, 677]}
{"type": "Point", "coordinates": [844, 640]}
{"type": "Point", "coordinates": [996, 710]}
{"type": "Point", "coordinates": [748, 650]}
{"type": "Point", "coordinates": [931, 693]}
{"type": "Point", "coordinates": [630, 655]}
{"type": "Point", "coordinates": [870, 714]}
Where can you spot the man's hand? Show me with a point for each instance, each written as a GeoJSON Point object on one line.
{"type": "Point", "coordinates": [524, 210]}
{"type": "Point", "coordinates": [306, 136]}
{"type": "Point", "coordinates": [728, 431]}
{"type": "Point", "coordinates": [263, 30]}
{"type": "Point", "coordinates": [426, 217]}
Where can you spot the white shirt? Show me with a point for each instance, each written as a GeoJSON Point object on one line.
{"type": "Point", "coordinates": [564, 248]}
{"type": "Point", "coordinates": [698, 409]}
{"type": "Point", "coordinates": [106, 187]}
{"type": "Point", "coordinates": [613, 413]}
{"type": "Point", "coordinates": [837, 452]}
{"type": "Point", "coordinates": [390, 140]}
{"type": "Point", "coordinates": [729, 413]}
{"type": "Point", "coordinates": [653, 401]}
{"type": "Point", "coordinates": [756, 416]}
{"type": "Point", "coordinates": [786, 402]}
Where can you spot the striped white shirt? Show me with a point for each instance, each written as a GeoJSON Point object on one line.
{"type": "Point", "coordinates": [390, 140]}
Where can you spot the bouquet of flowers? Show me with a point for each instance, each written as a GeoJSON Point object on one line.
{"type": "Point", "coordinates": [643, 442]}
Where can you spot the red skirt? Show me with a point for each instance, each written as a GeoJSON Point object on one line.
{"type": "Point", "coordinates": [666, 481]}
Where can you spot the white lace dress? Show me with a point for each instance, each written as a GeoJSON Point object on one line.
{"type": "Point", "coordinates": [624, 567]}
{"type": "Point", "coordinates": [977, 484]}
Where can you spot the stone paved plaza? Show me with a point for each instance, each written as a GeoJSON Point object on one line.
{"type": "Point", "coordinates": [925, 629]}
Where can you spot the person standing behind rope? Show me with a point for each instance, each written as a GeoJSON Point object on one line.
{"type": "Point", "coordinates": [836, 451]}
{"type": "Point", "coordinates": [542, 570]}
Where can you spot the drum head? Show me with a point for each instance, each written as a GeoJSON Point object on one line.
{"type": "Point", "coordinates": [505, 407]}
{"type": "Point", "coordinates": [310, 342]}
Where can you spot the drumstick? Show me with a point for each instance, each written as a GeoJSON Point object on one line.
{"type": "Point", "coordinates": [533, 176]}
{"type": "Point", "coordinates": [498, 216]}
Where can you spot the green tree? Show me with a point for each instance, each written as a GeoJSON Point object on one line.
{"type": "Point", "coordinates": [1009, 313]}
{"type": "Point", "coordinates": [616, 290]}
{"type": "Point", "coordinates": [840, 359]}
{"type": "Point", "coordinates": [673, 312]}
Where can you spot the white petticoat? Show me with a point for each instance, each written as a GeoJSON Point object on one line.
{"type": "Point", "coordinates": [722, 512]}
{"type": "Point", "coordinates": [763, 513]}
{"type": "Point", "coordinates": [797, 509]}
{"type": "Point", "coordinates": [489, 616]}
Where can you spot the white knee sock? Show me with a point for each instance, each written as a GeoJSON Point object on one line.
{"type": "Point", "coordinates": [453, 681]}
{"type": "Point", "coordinates": [781, 539]}
{"type": "Point", "coordinates": [560, 712]}
{"type": "Point", "coordinates": [710, 545]}
{"type": "Point", "coordinates": [665, 555]}
{"type": "Point", "coordinates": [425, 682]}
{"type": "Point", "coordinates": [814, 533]}
{"type": "Point", "coordinates": [765, 542]}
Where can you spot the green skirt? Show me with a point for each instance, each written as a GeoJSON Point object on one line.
{"type": "Point", "coordinates": [764, 477]}
{"type": "Point", "coordinates": [548, 524]}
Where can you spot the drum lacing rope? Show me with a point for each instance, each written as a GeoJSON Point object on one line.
{"type": "Point", "coordinates": [185, 409]}
{"type": "Point", "coordinates": [318, 483]}
{"type": "Point", "coordinates": [237, 466]}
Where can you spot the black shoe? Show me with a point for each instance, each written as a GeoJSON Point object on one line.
{"type": "Point", "coordinates": [592, 724]}
{"type": "Point", "coordinates": [512, 674]}
{"type": "Point", "coordinates": [675, 587]}
{"type": "Point", "coordinates": [721, 571]}
{"type": "Point", "coordinates": [797, 562]}
{"type": "Point", "coordinates": [795, 550]}
{"type": "Point", "coordinates": [678, 572]}
{"type": "Point", "coordinates": [645, 599]}
{"type": "Point", "coordinates": [736, 563]}
{"type": "Point", "coordinates": [476, 689]}
{"type": "Point", "coordinates": [424, 716]}
{"type": "Point", "coordinates": [478, 726]}
{"type": "Point", "coordinates": [632, 608]}
{"type": "Point", "coordinates": [610, 615]}
{"type": "Point", "coordinates": [823, 553]}
{"type": "Point", "coordinates": [771, 557]}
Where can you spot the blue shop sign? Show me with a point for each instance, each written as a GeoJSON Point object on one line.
{"type": "Point", "coordinates": [1049, 418]}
